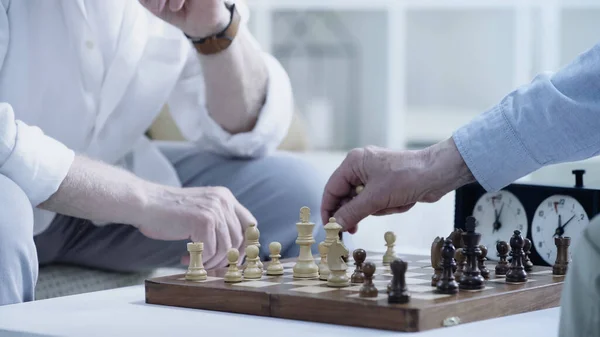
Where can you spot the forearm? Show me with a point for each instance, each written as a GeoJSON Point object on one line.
{"type": "Point", "coordinates": [96, 191]}
{"type": "Point", "coordinates": [236, 84]}
{"type": "Point", "coordinates": [554, 119]}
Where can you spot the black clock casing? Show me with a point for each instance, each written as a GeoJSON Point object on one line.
{"type": "Point", "coordinates": [531, 196]}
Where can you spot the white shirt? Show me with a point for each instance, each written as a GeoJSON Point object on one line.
{"type": "Point", "coordinates": [90, 77]}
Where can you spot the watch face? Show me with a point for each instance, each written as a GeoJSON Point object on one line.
{"type": "Point", "coordinates": [498, 214]}
{"type": "Point", "coordinates": [558, 215]}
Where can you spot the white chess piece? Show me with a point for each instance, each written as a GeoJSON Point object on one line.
{"type": "Point", "coordinates": [252, 235]}
{"type": "Point", "coordinates": [390, 241]}
{"type": "Point", "coordinates": [252, 271]}
{"type": "Point", "coordinates": [233, 274]}
{"type": "Point", "coordinates": [337, 267]}
{"type": "Point", "coordinates": [323, 268]}
{"type": "Point", "coordinates": [196, 271]}
{"type": "Point", "coordinates": [275, 267]}
{"type": "Point", "coordinates": [305, 265]}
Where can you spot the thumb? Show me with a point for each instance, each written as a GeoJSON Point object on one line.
{"type": "Point", "coordinates": [355, 210]}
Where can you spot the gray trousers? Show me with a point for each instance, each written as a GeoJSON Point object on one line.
{"type": "Point", "coordinates": [273, 188]}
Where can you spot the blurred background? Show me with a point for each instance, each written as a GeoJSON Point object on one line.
{"type": "Point", "coordinates": [406, 73]}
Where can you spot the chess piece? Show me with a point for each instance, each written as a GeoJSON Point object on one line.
{"type": "Point", "coordinates": [461, 262]}
{"type": "Point", "coordinates": [252, 235]}
{"type": "Point", "coordinates": [368, 289]}
{"type": "Point", "coordinates": [436, 260]}
{"type": "Point", "coordinates": [359, 258]}
{"type": "Point", "coordinates": [252, 271]}
{"type": "Point", "coordinates": [305, 266]}
{"type": "Point", "coordinates": [562, 256]}
{"type": "Point", "coordinates": [471, 278]}
{"type": "Point", "coordinates": [456, 237]}
{"type": "Point", "coordinates": [447, 284]}
{"type": "Point", "coordinates": [275, 267]}
{"type": "Point", "coordinates": [397, 292]}
{"type": "Point", "coordinates": [390, 241]}
{"type": "Point", "coordinates": [323, 269]}
{"type": "Point", "coordinates": [196, 271]}
{"type": "Point", "coordinates": [516, 272]}
{"type": "Point", "coordinates": [337, 267]}
{"type": "Point", "coordinates": [359, 189]}
{"type": "Point", "coordinates": [527, 249]}
{"type": "Point", "coordinates": [481, 262]}
{"type": "Point", "coordinates": [502, 266]}
{"type": "Point", "coordinates": [233, 274]}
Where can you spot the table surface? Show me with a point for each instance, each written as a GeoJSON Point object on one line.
{"type": "Point", "coordinates": [123, 312]}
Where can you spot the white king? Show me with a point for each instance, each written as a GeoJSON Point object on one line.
{"type": "Point", "coordinates": [305, 266]}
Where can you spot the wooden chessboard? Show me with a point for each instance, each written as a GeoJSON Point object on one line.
{"type": "Point", "coordinates": [313, 300]}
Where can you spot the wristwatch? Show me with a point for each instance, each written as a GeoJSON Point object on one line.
{"type": "Point", "coordinates": [222, 40]}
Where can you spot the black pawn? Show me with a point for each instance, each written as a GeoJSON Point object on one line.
{"type": "Point", "coordinates": [447, 284]}
{"type": "Point", "coordinates": [527, 250]}
{"type": "Point", "coordinates": [516, 273]}
{"type": "Point", "coordinates": [397, 292]}
{"type": "Point", "coordinates": [502, 266]}
{"type": "Point", "coordinates": [481, 262]}
{"type": "Point", "coordinates": [471, 278]}
{"type": "Point", "coordinates": [368, 289]}
{"type": "Point", "coordinates": [359, 256]}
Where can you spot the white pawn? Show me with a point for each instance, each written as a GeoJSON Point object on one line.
{"type": "Point", "coordinates": [252, 270]}
{"type": "Point", "coordinates": [323, 268]}
{"type": "Point", "coordinates": [390, 241]}
{"type": "Point", "coordinates": [252, 235]}
{"type": "Point", "coordinates": [275, 267]}
{"type": "Point", "coordinates": [233, 274]}
{"type": "Point", "coordinates": [196, 271]}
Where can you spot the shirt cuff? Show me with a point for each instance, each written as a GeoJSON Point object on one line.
{"type": "Point", "coordinates": [273, 122]}
{"type": "Point", "coordinates": [37, 163]}
{"type": "Point", "coordinates": [493, 151]}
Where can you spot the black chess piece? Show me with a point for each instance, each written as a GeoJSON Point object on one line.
{"type": "Point", "coordinates": [447, 284]}
{"type": "Point", "coordinates": [562, 256]}
{"type": "Point", "coordinates": [502, 266]}
{"type": "Point", "coordinates": [461, 263]}
{"type": "Point", "coordinates": [516, 272]}
{"type": "Point", "coordinates": [481, 262]}
{"type": "Point", "coordinates": [359, 258]}
{"type": "Point", "coordinates": [397, 292]}
{"type": "Point", "coordinates": [471, 279]}
{"type": "Point", "coordinates": [527, 250]}
{"type": "Point", "coordinates": [368, 289]}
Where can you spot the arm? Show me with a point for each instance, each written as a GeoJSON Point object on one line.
{"type": "Point", "coordinates": [554, 119]}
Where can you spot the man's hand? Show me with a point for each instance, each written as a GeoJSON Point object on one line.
{"type": "Point", "coordinates": [208, 214]}
{"type": "Point", "coordinates": [196, 18]}
{"type": "Point", "coordinates": [394, 181]}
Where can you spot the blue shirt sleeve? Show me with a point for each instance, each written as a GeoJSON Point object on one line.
{"type": "Point", "coordinates": [553, 119]}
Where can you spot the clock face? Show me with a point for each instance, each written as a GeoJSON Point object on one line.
{"type": "Point", "coordinates": [557, 215]}
{"type": "Point", "coordinates": [498, 214]}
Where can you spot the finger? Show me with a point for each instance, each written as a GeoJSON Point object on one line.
{"type": "Point", "coordinates": [394, 210]}
{"type": "Point", "coordinates": [234, 226]}
{"type": "Point", "coordinates": [361, 206]}
{"type": "Point", "coordinates": [340, 184]}
{"type": "Point", "coordinates": [223, 238]}
{"type": "Point", "coordinates": [245, 218]}
{"type": "Point", "coordinates": [176, 5]}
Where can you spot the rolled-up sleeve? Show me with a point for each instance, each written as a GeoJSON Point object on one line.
{"type": "Point", "coordinates": [187, 105]}
{"type": "Point", "coordinates": [553, 119]}
{"type": "Point", "coordinates": [35, 162]}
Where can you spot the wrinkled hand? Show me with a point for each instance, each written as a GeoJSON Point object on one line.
{"type": "Point", "coordinates": [197, 18]}
{"type": "Point", "coordinates": [394, 181]}
{"type": "Point", "coordinates": [208, 214]}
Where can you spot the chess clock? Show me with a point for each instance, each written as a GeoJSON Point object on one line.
{"type": "Point", "coordinates": [540, 212]}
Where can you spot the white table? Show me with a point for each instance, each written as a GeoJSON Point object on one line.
{"type": "Point", "coordinates": [122, 312]}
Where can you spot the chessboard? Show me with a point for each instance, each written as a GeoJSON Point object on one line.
{"type": "Point", "coordinates": [314, 299]}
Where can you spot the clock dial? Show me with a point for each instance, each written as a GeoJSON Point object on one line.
{"type": "Point", "coordinates": [498, 214]}
{"type": "Point", "coordinates": [557, 215]}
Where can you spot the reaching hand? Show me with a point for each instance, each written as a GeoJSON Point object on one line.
{"type": "Point", "coordinates": [197, 18]}
{"type": "Point", "coordinates": [394, 181]}
{"type": "Point", "coordinates": [208, 214]}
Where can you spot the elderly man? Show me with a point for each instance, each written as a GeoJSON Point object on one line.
{"type": "Point", "coordinates": [80, 83]}
{"type": "Point", "coordinates": [554, 119]}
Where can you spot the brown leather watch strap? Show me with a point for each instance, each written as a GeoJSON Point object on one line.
{"type": "Point", "coordinates": [216, 43]}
